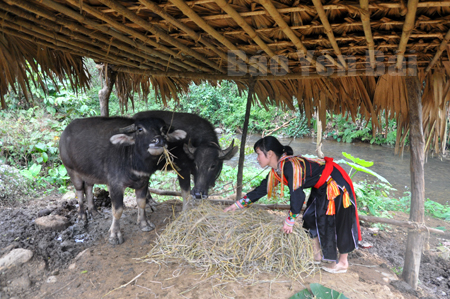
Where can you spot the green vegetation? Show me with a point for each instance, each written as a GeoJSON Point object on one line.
{"type": "Point", "coordinates": [318, 291]}
{"type": "Point", "coordinates": [29, 135]}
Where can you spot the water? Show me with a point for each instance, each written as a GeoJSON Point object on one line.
{"type": "Point", "coordinates": [394, 168]}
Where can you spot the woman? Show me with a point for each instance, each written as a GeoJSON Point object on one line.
{"type": "Point", "coordinates": [330, 216]}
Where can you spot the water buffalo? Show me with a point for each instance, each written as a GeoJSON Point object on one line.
{"type": "Point", "coordinates": [118, 151]}
{"type": "Point", "coordinates": [198, 154]}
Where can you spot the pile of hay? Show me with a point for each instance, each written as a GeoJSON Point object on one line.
{"type": "Point", "coordinates": [236, 245]}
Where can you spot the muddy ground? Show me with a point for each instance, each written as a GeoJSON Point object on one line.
{"type": "Point", "coordinates": [79, 263]}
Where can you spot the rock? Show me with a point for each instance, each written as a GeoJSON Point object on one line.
{"type": "Point", "coordinates": [72, 266]}
{"type": "Point", "coordinates": [44, 212]}
{"type": "Point", "coordinates": [52, 223]}
{"type": "Point", "coordinates": [68, 196]}
{"type": "Point", "coordinates": [218, 130]}
{"type": "Point", "coordinates": [16, 257]}
{"type": "Point", "coordinates": [8, 248]}
{"type": "Point", "coordinates": [51, 279]}
{"type": "Point", "coordinates": [20, 283]}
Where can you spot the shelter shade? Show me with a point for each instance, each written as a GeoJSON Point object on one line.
{"type": "Point", "coordinates": [289, 45]}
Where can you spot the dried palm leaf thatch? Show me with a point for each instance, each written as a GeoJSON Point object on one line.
{"type": "Point", "coordinates": [235, 246]}
{"type": "Point", "coordinates": [20, 58]}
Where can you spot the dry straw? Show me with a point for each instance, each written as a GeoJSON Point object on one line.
{"type": "Point", "coordinates": [236, 246]}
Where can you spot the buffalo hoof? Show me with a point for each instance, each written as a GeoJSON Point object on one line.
{"type": "Point", "coordinates": [115, 240]}
{"type": "Point", "coordinates": [94, 213]}
{"type": "Point", "coordinates": [147, 227]}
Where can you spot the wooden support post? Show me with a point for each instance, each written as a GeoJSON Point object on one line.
{"type": "Point", "coordinates": [415, 237]}
{"type": "Point", "coordinates": [108, 80]}
{"type": "Point", "coordinates": [251, 88]}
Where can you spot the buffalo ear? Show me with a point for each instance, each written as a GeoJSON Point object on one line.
{"type": "Point", "coordinates": [189, 150]}
{"type": "Point", "coordinates": [121, 139]}
{"type": "Point", "coordinates": [176, 135]}
{"type": "Point", "coordinates": [229, 152]}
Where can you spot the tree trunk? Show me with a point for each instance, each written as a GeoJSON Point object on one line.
{"type": "Point", "coordinates": [251, 87]}
{"type": "Point", "coordinates": [108, 80]}
{"type": "Point", "coordinates": [415, 237]}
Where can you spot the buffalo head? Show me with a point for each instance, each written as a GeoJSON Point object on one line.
{"type": "Point", "coordinates": [208, 160]}
{"type": "Point", "coordinates": [148, 135]}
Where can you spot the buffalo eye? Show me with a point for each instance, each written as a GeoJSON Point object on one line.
{"type": "Point", "coordinates": [212, 166]}
{"type": "Point", "coordinates": [140, 129]}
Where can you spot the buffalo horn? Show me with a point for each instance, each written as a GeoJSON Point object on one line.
{"type": "Point", "coordinates": [128, 129]}
{"type": "Point", "coordinates": [223, 153]}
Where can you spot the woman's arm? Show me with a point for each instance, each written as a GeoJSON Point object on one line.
{"type": "Point", "coordinates": [250, 197]}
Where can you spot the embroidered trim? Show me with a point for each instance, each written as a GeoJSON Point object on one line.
{"type": "Point", "coordinates": [290, 220]}
{"type": "Point", "coordinates": [298, 166]}
{"type": "Point", "coordinates": [244, 202]}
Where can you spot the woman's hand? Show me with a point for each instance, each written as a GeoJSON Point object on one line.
{"type": "Point", "coordinates": [287, 229]}
{"type": "Point", "coordinates": [230, 208]}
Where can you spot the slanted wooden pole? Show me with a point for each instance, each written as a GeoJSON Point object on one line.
{"type": "Point", "coordinates": [108, 80]}
{"type": "Point", "coordinates": [415, 241]}
{"type": "Point", "coordinates": [251, 88]}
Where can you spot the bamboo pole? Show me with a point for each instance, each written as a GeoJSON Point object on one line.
{"type": "Point", "coordinates": [63, 47]}
{"type": "Point", "coordinates": [268, 5]}
{"type": "Point", "coordinates": [407, 29]}
{"type": "Point", "coordinates": [432, 22]}
{"type": "Point", "coordinates": [194, 35]}
{"type": "Point", "coordinates": [415, 238]}
{"type": "Point", "coordinates": [100, 27]}
{"type": "Point", "coordinates": [158, 32]}
{"type": "Point", "coordinates": [52, 22]}
{"type": "Point", "coordinates": [124, 39]}
{"type": "Point", "coordinates": [388, 5]}
{"type": "Point", "coordinates": [329, 31]}
{"type": "Point", "coordinates": [441, 49]}
{"type": "Point", "coordinates": [365, 18]}
{"type": "Point", "coordinates": [193, 16]}
{"type": "Point", "coordinates": [251, 89]}
{"type": "Point", "coordinates": [35, 38]}
{"type": "Point", "coordinates": [301, 8]}
{"type": "Point", "coordinates": [251, 32]}
{"type": "Point", "coordinates": [50, 37]}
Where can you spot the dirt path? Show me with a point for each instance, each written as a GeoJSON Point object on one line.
{"type": "Point", "coordinates": [79, 263]}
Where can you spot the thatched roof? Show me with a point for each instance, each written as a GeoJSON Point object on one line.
{"type": "Point", "coordinates": [311, 50]}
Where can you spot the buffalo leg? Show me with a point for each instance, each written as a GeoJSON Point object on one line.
{"type": "Point", "coordinates": [90, 200]}
{"type": "Point", "coordinates": [115, 236]}
{"type": "Point", "coordinates": [78, 183]}
{"type": "Point", "coordinates": [185, 185]}
{"type": "Point", "coordinates": [141, 200]}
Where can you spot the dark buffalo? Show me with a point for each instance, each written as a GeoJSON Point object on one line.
{"type": "Point", "coordinates": [120, 152]}
{"type": "Point", "coordinates": [198, 154]}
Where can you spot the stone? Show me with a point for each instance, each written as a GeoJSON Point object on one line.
{"type": "Point", "coordinates": [51, 279]}
{"type": "Point", "coordinates": [72, 266]}
{"type": "Point", "coordinates": [68, 196]}
{"type": "Point", "coordinates": [15, 257]}
{"type": "Point", "coordinates": [52, 223]}
{"type": "Point", "coordinates": [44, 212]}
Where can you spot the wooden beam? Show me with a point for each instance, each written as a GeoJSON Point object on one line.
{"type": "Point", "coordinates": [441, 49]}
{"type": "Point", "coordinates": [188, 11]}
{"type": "Point", "coordinates": [194, 35]}
{"type": "Point", "coordinates": [415, 240]}
{"type": "Point", "coordinates": [329, 31]}
{"type": "Point", "coordinates": [251, 32]}
{"type": "Point", "coordinates": [365, 18]}
{"type": "Point", "coordinates": [408, 27]}
{"type": "Point", "coordinates": [268, 5]}
{"type": "Point", "coordinates": [158, 32]}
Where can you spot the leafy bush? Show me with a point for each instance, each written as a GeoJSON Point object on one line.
{"type": "Point", "coordinates": [13, 185]}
